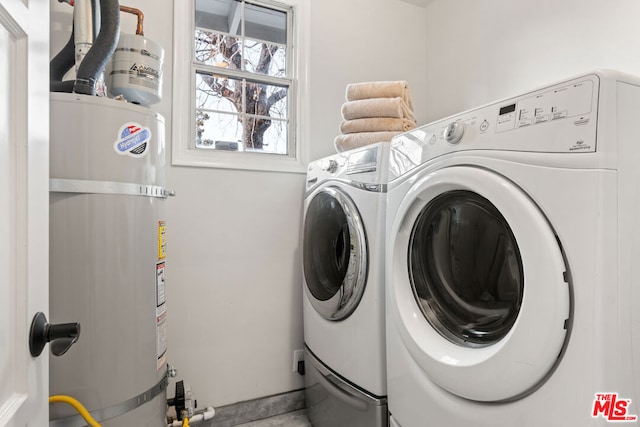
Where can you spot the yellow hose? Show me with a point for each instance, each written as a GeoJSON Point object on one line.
{"type": "Point", "coordinates": [77, 406]}
{"type": "Point", "coordinates": [185, 422]}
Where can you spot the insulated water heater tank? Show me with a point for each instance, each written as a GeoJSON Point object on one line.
{"type": "Point", "coordinates": [107, 259]}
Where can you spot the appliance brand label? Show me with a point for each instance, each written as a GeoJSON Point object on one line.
{"type": "Point", "coordinates": [133, 140]}
{"type": "Point", "coordinates": [612, 408]}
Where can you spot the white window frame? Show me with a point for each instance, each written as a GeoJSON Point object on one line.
{"type": "Point", "coordinates": [183, 151]}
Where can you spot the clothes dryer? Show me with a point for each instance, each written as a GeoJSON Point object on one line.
{"type": "Point", "coordinates": [512, 285]}
{"type": "Point", "coordinates": [343, 307]}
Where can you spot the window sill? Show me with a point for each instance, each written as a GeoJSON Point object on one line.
{"type": "Point", "coordinates": [238, 161]}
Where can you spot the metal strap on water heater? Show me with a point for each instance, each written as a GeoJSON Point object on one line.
{"type": "Point", "coordinates": [107, 187]}
{"type": "Point", "coordinates": [114, 410]}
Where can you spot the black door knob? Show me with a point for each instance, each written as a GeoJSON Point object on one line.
{"type": "Point", "coordinates": [61, 336]}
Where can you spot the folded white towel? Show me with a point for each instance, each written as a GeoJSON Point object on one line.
{"type": "Point", "coordinates": [382, 89]}
{"type": "Point", "coordinates": [377, 107]}
{"type": "Point", "coordinates": [376, 124]}
{"type": "Point", "coordinates": [355, 140]}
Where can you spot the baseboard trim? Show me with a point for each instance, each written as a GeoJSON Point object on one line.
{"type": "Point", "coordinates": [257, 409]}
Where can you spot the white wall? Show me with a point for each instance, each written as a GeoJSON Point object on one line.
{"type": "Point", "coordinates": [481, 51]}
{"type": "Point", "coordinates": [362, 40]}
{"type": "Point", "coordinates": [233, 239]}
{"type": "Point", "coordinates": [235, 235]}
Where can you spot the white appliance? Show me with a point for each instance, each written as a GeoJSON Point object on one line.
{"type": "Point", "coordinates": [511, 273]}
{"type": "Point", "coordinates": [343, 305]}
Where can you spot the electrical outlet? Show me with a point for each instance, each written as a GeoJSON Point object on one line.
{"type": "Point", "coordinates": [298, 356]}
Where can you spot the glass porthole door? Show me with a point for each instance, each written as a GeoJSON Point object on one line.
{"type": "Point", "coordinates": [465, 269]}
{"type": "Point", "coordinates": [478, 285]}
{"type": "Point", "coordinates": [335, 256]}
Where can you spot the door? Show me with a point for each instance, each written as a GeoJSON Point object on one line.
{"type": "Point", "coordinates": [24, 198]}
{"type": "Point", "coordinates": [479, 288]}
{"type": "Point", "coordinates": [335, 256]}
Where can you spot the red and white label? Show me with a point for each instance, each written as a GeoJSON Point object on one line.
{"type": "Point", "coordinates": [612, 408]}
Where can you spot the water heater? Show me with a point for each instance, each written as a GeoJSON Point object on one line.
{"type": "Point", "coordinates": [107, 259]}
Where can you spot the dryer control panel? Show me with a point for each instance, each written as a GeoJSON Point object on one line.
{"type": "Point", "coordinates": [556, 119]}
{"type": "Point", "coordinates": [365, 166]}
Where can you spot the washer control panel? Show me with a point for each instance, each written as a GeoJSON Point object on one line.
{"type": "Point", "coordinates": [563, 102]}
{"type": "Point", "coordinates": [557, 119]}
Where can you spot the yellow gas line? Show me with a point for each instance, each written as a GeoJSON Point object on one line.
{"type": "Point", "coordinates": [77, 406]}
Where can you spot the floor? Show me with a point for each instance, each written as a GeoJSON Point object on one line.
{"type": "Point", "coordinates": [291, 419]}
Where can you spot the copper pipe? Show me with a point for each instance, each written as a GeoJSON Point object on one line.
{"type": "Point", "coordinates": [137, 12]}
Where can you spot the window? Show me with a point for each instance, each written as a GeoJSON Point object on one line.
{"type": "Point", "coordinates": [245, 88]}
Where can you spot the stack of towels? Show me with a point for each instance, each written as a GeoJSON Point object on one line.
{"type": "Point", "coordinates": [374, 112]}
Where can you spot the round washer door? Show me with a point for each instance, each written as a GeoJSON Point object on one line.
{"type": "Point", "coordinates": [478, 288]}
{"type": "Point", "coordinates": [335, 258]}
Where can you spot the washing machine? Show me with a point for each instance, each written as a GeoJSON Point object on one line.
{"type": "Point", "coordinates": [511, 271]}
{"type": "Point", "coordinates": [343, 302]}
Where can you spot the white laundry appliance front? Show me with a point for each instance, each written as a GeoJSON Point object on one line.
{"type": "Point", "coordinates": [343, 307]}
{"type": "Point", "coordinates": [511, 273]}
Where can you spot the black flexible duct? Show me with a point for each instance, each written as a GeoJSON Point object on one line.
{"type": "Point", "coordinates": [60, 64]}
{"type": "Point", "coordinates": [65, 59]}
{"type": "Point", "coordinates": [96, 59]}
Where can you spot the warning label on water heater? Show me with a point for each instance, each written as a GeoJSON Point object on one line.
{"type": "Point", "coordinates": [161, 316]}
{"type": "Point", "coordinates": [162, 241]}
{"type": "Point", "coordinates": [133, 140]}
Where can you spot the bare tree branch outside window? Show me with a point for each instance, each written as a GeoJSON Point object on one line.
{"type": "Point", "coordinates": [257, 106]}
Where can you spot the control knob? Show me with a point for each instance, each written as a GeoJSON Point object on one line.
{"type": "Point", "coordinates": [331, 166]}
{"type": "Point", "coordinates": [453, 132]}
